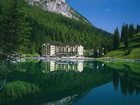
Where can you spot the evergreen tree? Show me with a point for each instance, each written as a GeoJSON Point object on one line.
{"type": "Point", "coordinates": [137, 28]}
{"type": "Point", "coordinates": [23, 28]}
{"type": "Point", "coordinates": [0, 28]}
{"type": "Point", "coordinates": [15, 29]}
{"type": "Point", "coordinates": [122, 33]}
{"type": "Point", "coordinates": [126, 36]}
{"type": "Point", "coordinates": [131, 31]}
{"type": "Point", "coordinates": [8, 30]}
{"type": "Point", "coordinates": [116, 39]}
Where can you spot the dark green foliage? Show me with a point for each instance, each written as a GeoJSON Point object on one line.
{"type": "Point", "coordinates": [131, 31]}
{"type": "Point", "coordinates": [53, 27]}
{"type": "Point", "coordinates": [122, 32]}
{"type": "Point", "coordinates": [138, 28]}
{"type": "Point", "coordinates": [116, 39]}
{"type": "Point", "coordinates": [7, 27]}
{"type": "Point", "coordinates": [23, 28]}
{"type": "Point", "coordinates": [14, 28]}
{"type": "Point", "coordinates": [125, 35]}
{"type": "Point", "coordinates": [29, 27]}
{"type": "Point", "coordinates": [128, 33]}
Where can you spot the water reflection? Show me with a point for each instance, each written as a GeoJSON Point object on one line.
{"type": "Point", "coordinates": [127, 81]}
{"type": "Point", "coordinates": [123, 90]}
{"type": "Point", "coordinates": [67, 82]}
{"type": "Point", "coordinates": [126, 77]}
{"type": "Point", "coordinates": [63, 65]}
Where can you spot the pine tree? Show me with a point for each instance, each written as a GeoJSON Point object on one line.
{"type": "Point", "coordinates": [126, 36]}
{"type": "Point", "coordinates": [23, 28]}
{"type": "Point", "coordinates": [122, 33]}
{"type": "Point", "coordinates": [8, 30]}
{"type": "Point", "coordinates": [15, 29]}
{"type": "Point", "coordinates": [116, 39]}
{"type": "Point", "coordinates": [131, 31]}
{"type": "Point", "coordinates": [137, 29]}
{"type": "Point", "coordinates": [0, 28]}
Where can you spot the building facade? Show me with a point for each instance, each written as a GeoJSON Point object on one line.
{"type": "Point", "coordinates": [59, 49]}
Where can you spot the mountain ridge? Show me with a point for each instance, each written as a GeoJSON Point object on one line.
{"type": "Point", "coordinates": [56, 6]}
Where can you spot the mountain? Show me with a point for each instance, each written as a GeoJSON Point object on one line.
{"type": "Point", "coordinates": [52, 20]}
{"type": "Point", "coordinates": [56, 6]}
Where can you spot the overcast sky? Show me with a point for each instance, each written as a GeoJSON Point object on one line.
{"type": "Point", "coordinates": [108, 14]}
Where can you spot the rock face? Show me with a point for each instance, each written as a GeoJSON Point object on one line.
{"type": "Point", "coordinates": [56, 6]}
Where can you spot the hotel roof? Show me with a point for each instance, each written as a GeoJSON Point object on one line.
{"type": "Point", "coordinates": [61, 44]}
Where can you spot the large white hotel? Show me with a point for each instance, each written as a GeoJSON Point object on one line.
{"type": "Point", "coordinates": [59, 49]}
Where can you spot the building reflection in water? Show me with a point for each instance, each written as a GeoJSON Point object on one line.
{"type": "Point", "coordinates": [62, 65]}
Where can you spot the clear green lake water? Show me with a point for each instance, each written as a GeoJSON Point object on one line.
{"type": "Point", "coordinates": [70, 83]}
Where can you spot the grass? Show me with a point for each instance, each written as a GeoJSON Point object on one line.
{"type": "Point", "coordinates": [17, 89]}
{"type": "Point", "coordinates": [133, 52]}
{"type": "Point", "coordinates": [125, 66]}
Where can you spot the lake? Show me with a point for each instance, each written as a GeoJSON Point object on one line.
{"type": "Point", "coordinates": [70, 83]}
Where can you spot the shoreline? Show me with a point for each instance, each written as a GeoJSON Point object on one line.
{"type": "Point", "coordinates": [63, 58]}
{"type": "Point", "coordinates": [83, 59]}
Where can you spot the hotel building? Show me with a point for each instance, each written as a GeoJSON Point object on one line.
{"type": "Point", "coordinates": [61, 50]}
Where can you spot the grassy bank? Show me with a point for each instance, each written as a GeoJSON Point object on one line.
{"type": "Point", "coordinates": [125, 66]}
{"type": "Point", "coordinates": [133, 52]}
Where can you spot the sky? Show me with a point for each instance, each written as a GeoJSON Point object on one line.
{"type": "Point", "coordinates": [108, 14]}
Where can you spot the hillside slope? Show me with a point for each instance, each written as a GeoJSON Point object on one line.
{"type": "Point", "coordinates": [48, 26]}
{"type": "Point", "coordinates": [132, 53]}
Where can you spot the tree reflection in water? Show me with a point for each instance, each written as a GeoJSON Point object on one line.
{"type": "Point", "coordinates": [127, 80]}
{"type": "Point", "coordinates": [57, 82]}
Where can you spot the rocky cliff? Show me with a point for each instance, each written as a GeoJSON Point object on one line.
{"type": "Point", "coordinates": [56, 6]}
